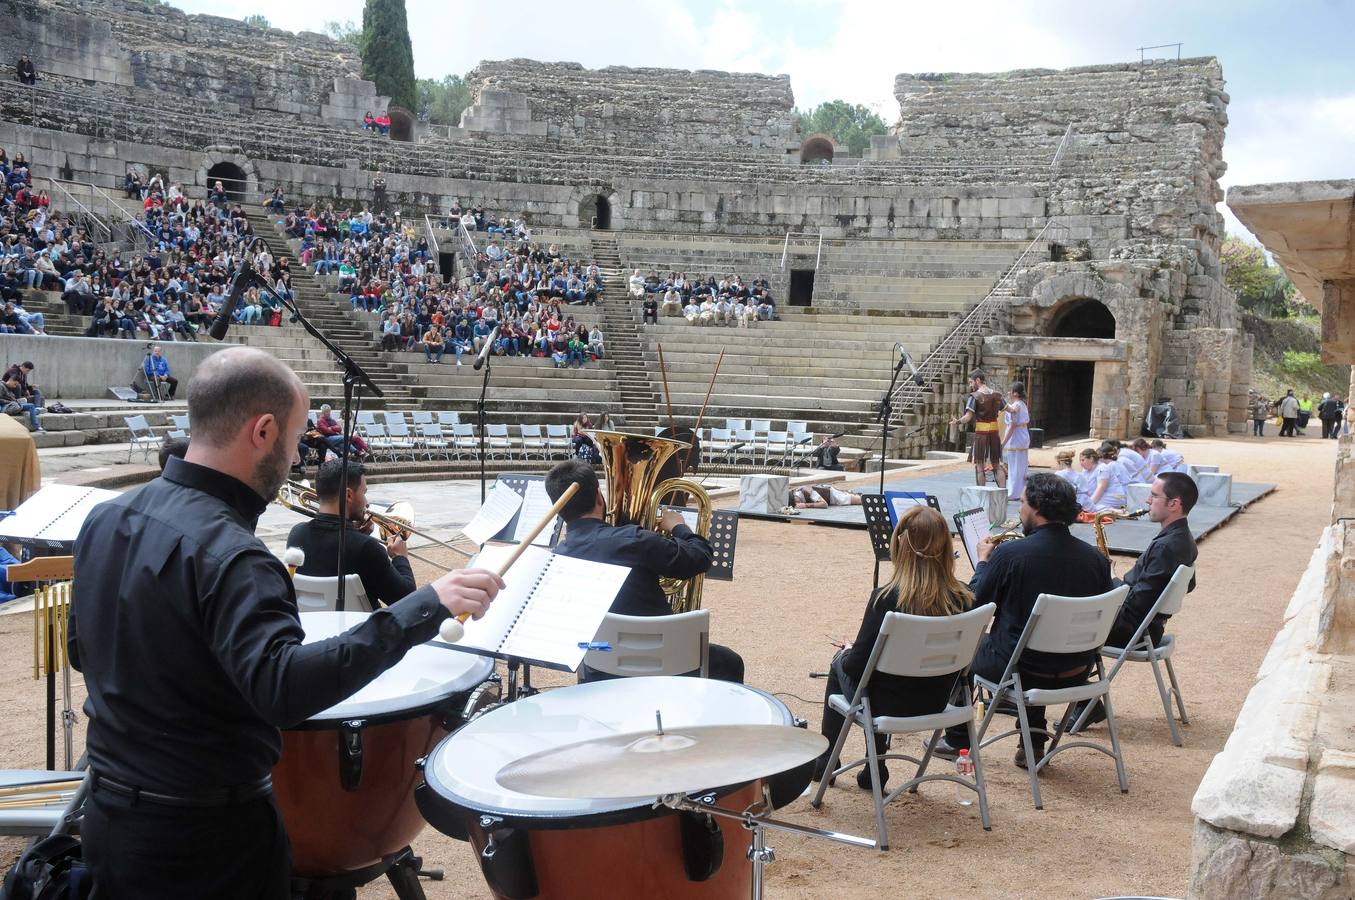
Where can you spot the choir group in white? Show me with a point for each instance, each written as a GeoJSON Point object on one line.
{"type": "Point", "coordinates": [1104, 473]}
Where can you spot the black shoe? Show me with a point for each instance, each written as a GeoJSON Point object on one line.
{"type": "Point", "coordinates": [820, 767]}
{"type": "Point", "coordinates": [1020, 758]}
{"type": "Point", "coordinates": [941, 749]}
{"type": "Point", "coordinates": [863, 777]}
{"type": "Point", "coordinates": [1098, 714]}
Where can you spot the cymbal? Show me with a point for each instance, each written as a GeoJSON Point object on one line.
{"type": "Point", "coordinates": [673, 761]}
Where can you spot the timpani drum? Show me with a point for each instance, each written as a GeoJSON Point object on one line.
{"type": "Point", "coordinates": [533, 846]}
{"type": "Point", "coordinates": [345, 782]}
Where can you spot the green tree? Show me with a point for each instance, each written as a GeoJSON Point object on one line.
{"type": "Point", "coordinates": [1260, 287]}
{"type": "Point", "coordinates": [442, 102]}
{"type": "Point", "coordinates": [849, 124]}
{"type": "Point", "coordinates": [257, 21]}
{"type": "Point", "coordinates": [345, 33]}
{"type": "Point", "coordinates": [387, 57]}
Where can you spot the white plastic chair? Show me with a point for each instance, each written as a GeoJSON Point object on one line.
{"type": "Point", "coordinates": [717, 447]}
{"type": "Point", "coordinates": [797, 428]}
{"type": "Point", "coordinates": [499, 443]}
{"type": "Point", "coordinates": [447, 419]}
{"type": "Point", "coordinates": [557, 440]}
{"type": "Point", "coordinates": [181, 423]}
{"type": "Point", "coordinates": [432, 440]}
{"type": "Point", "coordinates": [735, 424]}
{"type": "Point", "coordinates": [800, 447]}
{"type": "Point", "coordinates": [915, 647]}
{"type": "Point", "coordinates": [177, 434]}
{"type": "Point", "coordinates": [393, 417]}
{"type": "Point", "coordinates": [143, 437]}
{"type": "Point", "coordinates": [422, 417]}
{"type": "Point", "coordinates": [777, 447]}
{"type": "Point", "coordinates": [377, 442]}
{"type": "Point", "coordinates": [463, 438]}
{"type": "Point", "coordinates": [317, 594]}
{"type": "Point", "coordinates": [1141, 648]}
{"type": "Point", "coordinates": [653, 645]}
{"type": "Point", "coordinates": [365, 417]}
{"type": "Point", "coordinates": [750, 448]}
{"type": "Point", "coordinates": [1064, 625]}
{"type": "Point", "coordinates": [533, 444]}
{"type": "Point", "coordinates": [761, 426]}
{"type": "Point", "coordinates": [401, 440]}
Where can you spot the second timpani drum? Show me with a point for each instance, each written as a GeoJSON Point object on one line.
{"type": "Point", "coordinates": [345, 783]}
{"type": "Point", "coordinates": [534, 846]}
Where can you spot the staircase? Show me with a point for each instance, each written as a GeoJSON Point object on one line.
{"type": "Point", "coordinates": [354, 332]}
{"type": "Point", "coordinates": [639, 402]}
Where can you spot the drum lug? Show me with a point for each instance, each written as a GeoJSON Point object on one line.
{"type": "Point", "coordinates": [420, 762]}
{"type": "Point", "coordinates": [350, 754]}
{"type": "Point", "coordinates": [798, 722]}
{"type": "Point", "coordinates": [506, 861]}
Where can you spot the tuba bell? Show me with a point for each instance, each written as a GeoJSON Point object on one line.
{"type": "Point", "coordinates": [632, 465]}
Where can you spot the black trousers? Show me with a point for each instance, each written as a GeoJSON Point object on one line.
{"type": "Point", "coordinates": [990, 664]}
{"type": "Point", "coordinates": [1330, 428]}
{"type": "Point", "coordinates": [724, 665]}
{"type": "Point", "coordinates": [168, 385]}
{"type": "Point", "coordinates": [1287, 429]}
{"type": "Point", "coordinates": [146, 851]}
{"type": "Point", "coordinates": [839, 682]}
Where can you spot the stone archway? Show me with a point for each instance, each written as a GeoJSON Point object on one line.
{"type": "Point", "coordinates": [816, 150]}
{"type": "Point", "coordinates": [597, 208]}
{"type": "Point", "coordinates": [234, 170]}
{"type": "Point", "coordinates": [1067, 387]}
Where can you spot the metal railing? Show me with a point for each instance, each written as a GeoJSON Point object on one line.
{"type": "Point", "coordinates": [135, 227]}
{"type": "Point", "coordinates": [100, 231]}
{"type": "Point", "coordinates": [467, 244]}
{"type": "Point", "coordinates": [436, 256]}
{"type": "Point", "coordinates": [975, 323]}
{"type": "Point", "coordinates": [1064, 144]}
{"type": "Point", "coordinates": [818, 254]}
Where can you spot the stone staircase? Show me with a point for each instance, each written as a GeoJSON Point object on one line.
{"type": "Point", "coordinates": [639, 402]}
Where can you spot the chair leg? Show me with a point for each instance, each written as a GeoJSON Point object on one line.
{"type": "Point", "coordinates": [872, 760]}
{"type": "Point", "coordinates": [1026, 741]}
{"type": "Point", "coordinates": [833, 759]}
{"type": "Point", "coordinates": [926, 758]}
{"type": "Point", "coordinates": [1166, 699]}
{"type": "Point", "coordinates": [1176, 691]}
{"type": "Point", "coordinates": [975, 756]}
{"type": "Point", "coordinates": [1115, 743]}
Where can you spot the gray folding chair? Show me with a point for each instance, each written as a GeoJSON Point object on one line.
{"type": "Point", "coordinates": [1140, 648]}
{"type": "Point", "coordinates": [401, 440]}
{"type": "Point", "coordinates": [533, 444]}
{"type": "Point", "coordinates": [653, 645]}
{"type": "Point", "coordinates": [143, 437]}
{"type": "Point", "coordinates": [365, 417]}
{"type": "Point", "coordinates": [463, 438]}
{"type": "Point", "coordinates": [180, 423]}
{"type": "Point", "coordinates": [432, 440]}
{"type": "Point", "coordinates": [1065, 625]}
{"type": "Point", "coordinates": [422, 417]}
{"type": "Point", "coordinates": [447, 419]}
{"type": "Point", "coordinates": [915, 647]}
{"type": "Point", "coordinates": [557, 440]}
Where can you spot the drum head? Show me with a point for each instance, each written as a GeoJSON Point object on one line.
{"type": "Point", "coordinates": [461, 771]}
{"type": "Point", "coordinates": [425, 677]}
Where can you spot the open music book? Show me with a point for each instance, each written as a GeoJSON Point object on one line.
{"type": "Point", "coordinates": [973, 526]}
{"type": "Point", "coordinates": [53, 516]}
{"type": "Point", "coordinates": [550, 605]}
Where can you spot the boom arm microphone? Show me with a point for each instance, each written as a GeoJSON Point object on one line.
{"type": "Point", "coordinates": [905, 358]}
{"type": "Point", "coordinates": [485, 350]}
{"type": "Point", "coordinates": [243, 278]}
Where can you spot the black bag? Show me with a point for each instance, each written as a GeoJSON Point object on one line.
{"type": "Point", "coordinates": [59, 407]}
{"type": "Point", "coordinates": [51, 869]}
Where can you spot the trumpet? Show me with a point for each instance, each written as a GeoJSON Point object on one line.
{"type": "Point", "coordinates": [396, 519]}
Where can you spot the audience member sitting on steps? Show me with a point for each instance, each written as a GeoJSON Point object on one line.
{"type": "Point", "coordinates": [24, 71]}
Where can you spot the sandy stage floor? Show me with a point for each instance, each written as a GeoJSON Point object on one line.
{"type": "Point", "coordinates": [799, 585]}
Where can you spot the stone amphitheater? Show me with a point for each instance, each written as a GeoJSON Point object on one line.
{"type": "Point", "coordinates": [1056, 226]}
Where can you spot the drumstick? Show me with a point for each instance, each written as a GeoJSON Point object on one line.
{"type": "Point", "coordinates": [293, 558]}
{"type": "Point", "coordinates": [454, 628]}
{"type": "Point", "coordinates": [41, 786]}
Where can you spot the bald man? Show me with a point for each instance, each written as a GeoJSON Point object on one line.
{"type": "Point", "coordinates": [186, 629]}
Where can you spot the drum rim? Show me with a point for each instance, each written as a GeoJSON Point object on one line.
{"type": "Point", "coordinates": [446, 802]}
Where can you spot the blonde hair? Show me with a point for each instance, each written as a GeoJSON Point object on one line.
{"type": "Point", "coordinates": [924, 566]}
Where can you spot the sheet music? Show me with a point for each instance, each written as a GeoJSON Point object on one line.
{"type": "Point", "coordinates": [535, 504]}
{"type": "Point", "coordinates": [566, 609]}
{"type": "Point", "coordinates": [973, 528]}
{"type": "Point", "coordinates": [55, 513]}
{"type": "Point", "coordinates": [900, 501]}
{"type": "Point", "coordinates": [488, 632]}
{"type": "Point", "coordinates": [500, 507]}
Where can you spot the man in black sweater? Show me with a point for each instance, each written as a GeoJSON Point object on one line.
{"type": "Point", "coordinates": [649, 555]}
{"type": "Point", "coordinates": [1049, 560]}
{"type": "Point", "coordinates": [384, 568]}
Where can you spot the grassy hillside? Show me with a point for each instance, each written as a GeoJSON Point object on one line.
{"type": "Point", "coordinates": [1288, 356]}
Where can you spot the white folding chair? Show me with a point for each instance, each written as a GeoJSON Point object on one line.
{"type": "Point", "coordinates": [393, 417]}
{"type": "Point", "coordinates": [401, 440]}
{"type": "Point", "coordinates": [365, 417]}
{"type": "Point", "coordinates": [1063, 625]}
{"type": "Point", "coordinates": [463, 438]}
{"type": "Point", "coordinates": [1141, 648]}
{"type": "Point", "coordinates": [533, 444]}
{"type": "Point", "coordinates": [422, 417]}
{"type": "Point", "coordinates": [447, 419]}
{"type": "Point", "coordinates": [653, 645]}
{"type": "Point", "coordinates": [143, 437]}
{"type": "Point", "coordinates": [177, 434]}
{"type": "Point", "coordinates": [377, 442]}
{"type": "Point", "coordinates": [717, 448]}
{"type": "Point", "coordinates": [761, 426]}
{"type": "Point", "coordinates": [914, 647]}
{"type": "Point", "coordinates": [557, 440]}
{"type": "Point", "coordinates": [800, 447]}
{"type": "Point", "coordinates": [735, 424]}
{"type": "Point", "coordinates": [746, 446]}
{"type": "Point", "coordinates": [432, 440]}
{"type": "Point", "coordinates": [181, 423]}
{"type": "Point", "coordinates": [794, 428]}
{"type": "Point", "coordinates": [316, 594]}
{"type": "Point", "coordinates": [777, 447]}
{"type": "Point", "coordinates": [499, 443]}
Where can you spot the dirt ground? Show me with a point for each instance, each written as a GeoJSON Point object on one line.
{"type": "Point", "coordinates": [798, 585]}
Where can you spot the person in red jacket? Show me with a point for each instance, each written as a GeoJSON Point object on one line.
{"type": "Point", "coordinates": [331, 429]}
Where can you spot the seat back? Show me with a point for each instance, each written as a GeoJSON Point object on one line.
{"type": "Point", "coordinates": [365, 417]}
{"type": "Point", "coordinates": [1072, 624]}
{"type": "Point", "coordinates": [652, 645]}
{"type": "Point", "coordinates": [393, 418]}
{"type": "Point", "coordinates": [375, 431]}
{"type": "Point", "coordinates": [177, 434]}
{"type": "Point", "coordinates": [397, 429]}
{"type": "Point", "coordinates": [735, 424]}
{"type": "Point", "coordinates": [532, 432]}
{"type": "Point", "coordinates": [1173, 596]}
{"type": "Point", "coordinates": [317, 594]}
{"type": "Point", "coordinates": [926, 646]}
{"type": "Point", "coordinates": [422, 417]}
{"type": "Point", "coordinates": [463, 430]}
{"type": "Point", "coordinates": [557, 431]}
{"type": "Point", "coordinates": [761, 425]}
{"type": "Point", "coordinates": [137, 425]}
{"type": "Point", "coordinates": [430, 430]}
{"type": "Point", "coordinates": [448, 418]}
{"type": "Point", "coordinates": [180, 422]}
{"type": "Point", "coordinates": [497, 431]}
{"type": "Point", "coordinates": [797, 427]}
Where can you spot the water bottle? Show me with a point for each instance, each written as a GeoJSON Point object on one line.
{"type": "Point", "coordinates": [964, 768]}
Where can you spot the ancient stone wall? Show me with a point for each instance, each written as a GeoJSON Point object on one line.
{"type": "Point", "coordinates": [643, 107]}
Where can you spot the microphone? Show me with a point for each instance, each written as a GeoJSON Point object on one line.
{"type": "Point", "coordinates": [905, 358]}
{"type": "Point", "coordinates": [222, 322]}
{"type": "Point", "coordinates": [489, 345]}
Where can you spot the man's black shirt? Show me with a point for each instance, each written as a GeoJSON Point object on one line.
{"type": "Point", "coordinates": [649, 555]}
{"type": "Point", "coordinates": [1173, 546]}
{"type": "Point", "coordinates": [385, 579]}
{"type": "Point", "coordinates": [186, 629]}
{"type": "Point", "coordinates": [1047, 561]}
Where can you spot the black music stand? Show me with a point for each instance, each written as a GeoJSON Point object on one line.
{"type": "Point", "coordinates": [878, 528]}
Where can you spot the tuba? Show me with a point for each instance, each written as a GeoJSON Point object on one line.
{"type": "Point", "coordinates": [632, 465]}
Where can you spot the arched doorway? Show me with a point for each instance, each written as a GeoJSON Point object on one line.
{"type": "Point", "coordinates": [596, 212]}
{"type": "Point", "coordinates": [816, 150]}
{"type": "Point", "coordinates": [402, 123]}
{"type": "Point", "coordinates": [1067, 386]}
{"type": "Point", "coordinates": [232, 178]}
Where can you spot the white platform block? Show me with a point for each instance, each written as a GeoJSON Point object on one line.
{"type": "Point", "coordinates": [763, 493]}
{"type": "Point", "coordinates": [990, 497]}
{"type": "Point", "coordinates": [1216, 488]}
{"type": "Point", "coordinates": [1194, 471]}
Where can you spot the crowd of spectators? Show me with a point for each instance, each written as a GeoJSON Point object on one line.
{"type": "Point", "coordinates": [37, 244]}
{"type": "Point", "coordinates": [703, 300]}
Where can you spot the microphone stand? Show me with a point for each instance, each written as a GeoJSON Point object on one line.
{"type": "Point", "coordinates": [354, 379]}
{"type": "Point", "coordinates": [480, 421]}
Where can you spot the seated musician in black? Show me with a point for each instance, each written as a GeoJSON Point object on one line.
{"type": "Point", "coordinates": [1170, 499]}
{"type": "Point", "coordinates": [923, 584]}
{"type": "Point", "coordinates": [384, 568]}
{"type": "Point", "coordinates": [1049, 560]}
{"type": "Point", "coordinates": [649, 555]}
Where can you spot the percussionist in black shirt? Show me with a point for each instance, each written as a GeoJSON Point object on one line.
{"type": "Point", "coordinates": [187, 631]}
{"type": "Point", "coordinates": [649, 555]}
{"type": "Point", "coordinates": [383, 568]}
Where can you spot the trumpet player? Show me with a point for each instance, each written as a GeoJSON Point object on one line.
{"type": "Point", "coordinates": [383, 567]}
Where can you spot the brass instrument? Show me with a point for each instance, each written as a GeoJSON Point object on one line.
{"type": "Point", "coordinates": [1103, 519]}
{"type": "Point", "coordinates": [397, 518]}
{"type": "Point", "coordinates": [631, 464]}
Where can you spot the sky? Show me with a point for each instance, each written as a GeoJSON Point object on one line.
{"type": "Point", "coordinates": [1289, 68]}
